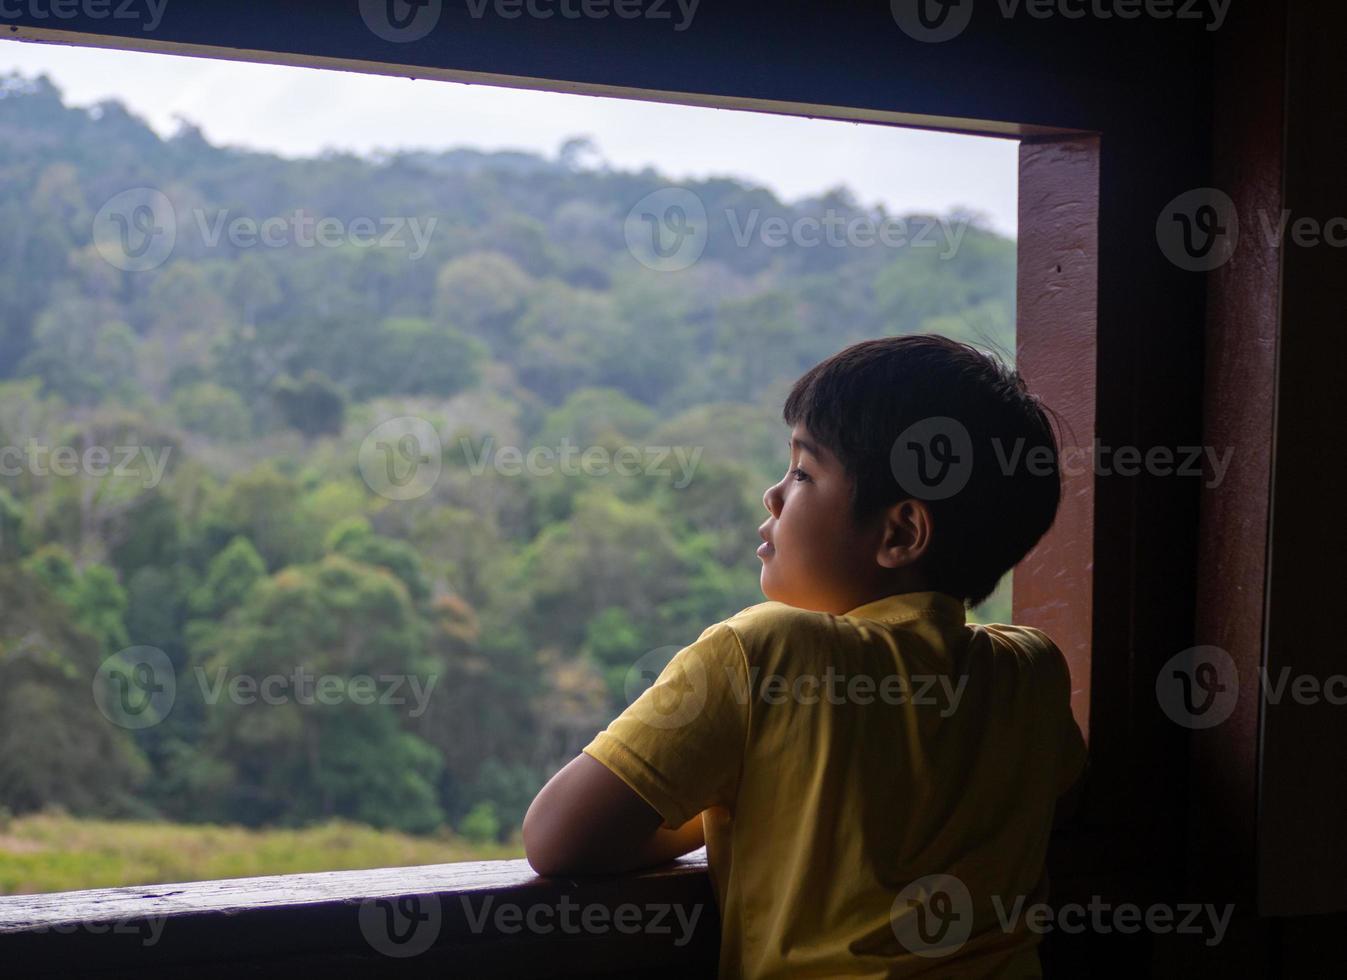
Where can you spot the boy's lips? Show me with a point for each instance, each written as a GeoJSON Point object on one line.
{"type": "Point", "coordinates": [766, 549]}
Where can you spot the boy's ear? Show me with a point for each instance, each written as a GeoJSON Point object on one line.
{"type": "Point", "coordinates": [906, 534]}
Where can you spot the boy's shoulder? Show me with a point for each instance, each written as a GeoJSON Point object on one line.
{"type": "Point", "coordinates": [771, 617]}
{"type": "Point", "coordinates": [768, 629]}
{"type": "Point", "coordinates": [765, 627]}
{"type": "Point", "coordinates": [1030, 641]}
{"type": "Point", "coordinates": [1033, 648]}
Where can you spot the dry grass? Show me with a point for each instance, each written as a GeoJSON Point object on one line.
{"type": "Point", "coordinates": [54, 852]}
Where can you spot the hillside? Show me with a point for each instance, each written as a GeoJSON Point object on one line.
{"type": "Point", "coordinates": [230, 405]}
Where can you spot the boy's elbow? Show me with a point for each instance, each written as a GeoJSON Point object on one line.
{"type": "Point", "coordinates": [543, 864]}
{"type": "Point", "coordinates": [536, 850]}
{"type": "Point", "coordinates": [586, 821]}
{"type": "Point", "coordinates": [544, 847]}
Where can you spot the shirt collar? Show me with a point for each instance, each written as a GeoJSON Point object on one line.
{"type": "Point", "coordinates": [912, 605]}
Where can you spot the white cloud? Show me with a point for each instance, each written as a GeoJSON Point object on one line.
{"type": "Point", "coordinates": [301, 111]}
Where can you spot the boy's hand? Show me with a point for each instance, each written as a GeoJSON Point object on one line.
{"type": "Point", "coordinates": [588, 821]}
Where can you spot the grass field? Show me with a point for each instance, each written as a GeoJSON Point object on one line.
{"type": "Point", "coordinates": [54, 852]}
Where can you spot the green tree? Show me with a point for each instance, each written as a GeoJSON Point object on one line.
{"type": "Point", "coordinates": [265, 506]}
{"type": "Point", "coordinates": [313, 405]}
{"type": "Point", "coordinates": [81, 354]}
{"type": "Point", "coordinates": [485, 292]}
{"type": "Point", "coordinates": [13, 540]}
{"type": "Point", "coordinates": [96, 600]}
{"type": "Point", "coordinates": [355, 539]}
{"type": "Point", "coordinates": [231, 575]}
{"type": "Point", "coordinates": [412, 356]}
{"type": "Point", "coordinates": [481, 824]}
{"type": "Point", "coordinates": [258, 547]}
{"type": "Point", "coordinates": [56, 749]}
{"type": "Point", "coordinates": [308, 757]}
{"type": "Point", "coordinates": [609, 554]}
{"type": "Point", "coordinates": [212, 411]}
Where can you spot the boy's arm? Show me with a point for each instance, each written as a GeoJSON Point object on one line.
{"type": "Point", "coordinates": [588, 821]}
{"type": "Point", "coordinates": [634, 798]}
{"type": "Point", "coordinates": [1068, 802]}
{"type": "Point", "coordinates": [1076, 763]}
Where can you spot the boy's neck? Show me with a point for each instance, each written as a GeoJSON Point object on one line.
{"type": "Point", "coordinates": [873, 592]}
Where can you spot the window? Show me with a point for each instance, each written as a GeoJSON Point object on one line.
{"type": "Point", "coordinates": [362, 490]}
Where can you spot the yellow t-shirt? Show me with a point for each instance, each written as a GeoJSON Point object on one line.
{"type": "Point", "coordinates": [877, 788]}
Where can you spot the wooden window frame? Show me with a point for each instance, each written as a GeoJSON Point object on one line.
{"type": "Point", "coordinates": [1080, 253]}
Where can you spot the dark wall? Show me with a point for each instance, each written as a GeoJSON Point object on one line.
{"type": "Point", "coordinates": [1149, 88]}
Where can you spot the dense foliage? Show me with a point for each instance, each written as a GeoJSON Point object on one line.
{"type": "Point", "coordinates": [245, 542]}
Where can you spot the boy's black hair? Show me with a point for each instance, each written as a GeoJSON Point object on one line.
{"type": "Point", "coordinates": [859, 401]}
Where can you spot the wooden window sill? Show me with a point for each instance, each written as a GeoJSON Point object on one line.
{"type": "Point", "coordinates": [480, 919]}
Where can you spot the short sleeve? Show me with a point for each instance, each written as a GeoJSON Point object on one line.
{"type": "Point", "coordinates": [679, 746]}
{"type": "Point", "coordinates": [1071, 761]}
{"type": "Point", "coordinates": [1073, 753]}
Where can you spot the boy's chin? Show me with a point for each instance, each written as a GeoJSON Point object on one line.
{"type": "Point", "coordinates": [772, 590]}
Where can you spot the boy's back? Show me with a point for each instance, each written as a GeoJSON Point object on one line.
{"type": "Point", "coordinates": [878, 786]}
{"type": "Point", "coordinates": [873, 778]}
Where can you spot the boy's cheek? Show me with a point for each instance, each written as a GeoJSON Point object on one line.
{"type": "Point", "coordinates": [780, 582]}
{"type": "Point", "coordinates": [770, 580]}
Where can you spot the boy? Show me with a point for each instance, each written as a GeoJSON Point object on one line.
{"type": "Point", "coordinates": [873, 777]}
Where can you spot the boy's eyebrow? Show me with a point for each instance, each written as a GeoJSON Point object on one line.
{"type": "Point", "coordinates": [806, 445]}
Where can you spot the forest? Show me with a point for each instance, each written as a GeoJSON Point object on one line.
{"type": "Point", "coordinates": [380, 526]}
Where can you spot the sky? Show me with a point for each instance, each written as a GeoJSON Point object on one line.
{"type": "Point", "coordinates": [303, 111]}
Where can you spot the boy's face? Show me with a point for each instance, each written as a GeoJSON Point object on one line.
{"type": "Point", "coordinates": [814, 556]}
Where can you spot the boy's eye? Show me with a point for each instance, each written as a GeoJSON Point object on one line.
{"type": "Point", "coordinates": [799, 474]}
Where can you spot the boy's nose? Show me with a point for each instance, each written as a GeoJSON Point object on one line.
{"type": "Point", "coordinates": [772, 500]}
